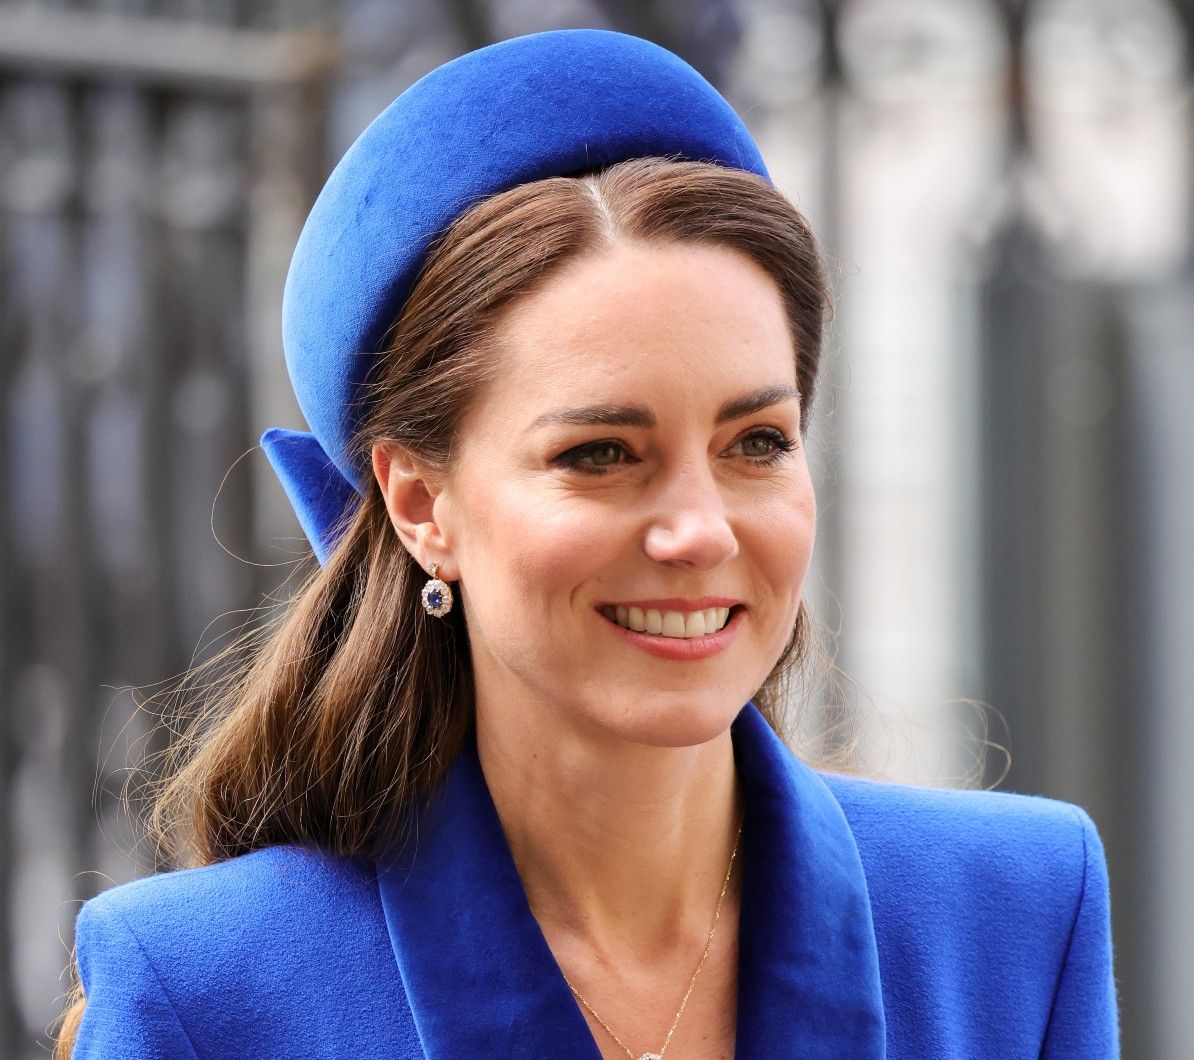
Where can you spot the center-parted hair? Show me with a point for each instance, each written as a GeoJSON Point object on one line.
{"type": "Point", "coordinates": [354, 703]}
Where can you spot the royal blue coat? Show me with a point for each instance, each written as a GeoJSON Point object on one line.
{"type": "Point", "coordinates": [877, 920]}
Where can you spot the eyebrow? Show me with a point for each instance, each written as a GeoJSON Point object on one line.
{"type": "Point", "coordinates": [640, 416]}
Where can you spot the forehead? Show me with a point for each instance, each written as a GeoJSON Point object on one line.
{"type": "Point", "coordinates": [639, 322]}
{"type": "Point", "coordinates": [636, 322]}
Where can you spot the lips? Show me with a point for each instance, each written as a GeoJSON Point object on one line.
{"type": "Point", "coordinates": [678, 648]}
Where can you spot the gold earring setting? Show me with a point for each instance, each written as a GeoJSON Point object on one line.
{"type": "Point", "coordinates": [437, 595]}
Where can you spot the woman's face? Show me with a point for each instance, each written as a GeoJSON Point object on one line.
{"type": "Point", "coordinates": [636, 462]}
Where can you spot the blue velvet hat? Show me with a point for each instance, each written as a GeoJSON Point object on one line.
{"type": "Point", "coordinates": [544, 105]}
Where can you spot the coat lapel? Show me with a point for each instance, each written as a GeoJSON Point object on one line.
{"type": "Point", "coordinates": [479, 975]}
{"type": "Point", "coordinates": [808, 969]}
{"type": "Point", "coordinates": [482, 980]}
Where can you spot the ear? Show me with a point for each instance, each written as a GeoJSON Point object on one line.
{"type": "Point", "coordinates": [409, 489]}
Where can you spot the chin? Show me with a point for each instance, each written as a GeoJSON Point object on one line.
{"type": "Point", "coordinates": [676, 719]}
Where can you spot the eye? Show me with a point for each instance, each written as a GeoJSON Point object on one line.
{"type": "Point", "coordinates": [766, 446]}
{"type": "Point", "coordinates": [593, 458]}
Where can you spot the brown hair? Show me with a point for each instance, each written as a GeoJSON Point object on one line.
{"type": "Point", "coordinates": [331, 722]}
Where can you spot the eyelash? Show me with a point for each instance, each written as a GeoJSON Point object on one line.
{"type": "Point", "coordinates": [572, 459]}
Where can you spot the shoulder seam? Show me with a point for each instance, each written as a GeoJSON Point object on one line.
{"type": "Point", "coordinates": [157, 978]}
{"type": "Point", "coordinates": [1065, 960]}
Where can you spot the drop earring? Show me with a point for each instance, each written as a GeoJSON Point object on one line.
{"type": "Point", "coordinates": [437, 595]}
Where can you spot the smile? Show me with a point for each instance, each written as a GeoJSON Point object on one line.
{"type": "Point", "coordinates": [679, 625]}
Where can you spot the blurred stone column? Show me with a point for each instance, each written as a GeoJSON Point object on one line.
{"type": "Point", "coordinates": [921, 141]}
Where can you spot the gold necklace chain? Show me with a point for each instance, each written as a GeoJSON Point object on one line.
{"type": "Point", "coordinates": [708, 942]}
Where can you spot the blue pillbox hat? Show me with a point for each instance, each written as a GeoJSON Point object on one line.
{"type": "Point", "coordinates": [543, 105]}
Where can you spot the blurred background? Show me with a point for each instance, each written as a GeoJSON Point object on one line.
{"type": "Point", "coordinates": [1003, 441]}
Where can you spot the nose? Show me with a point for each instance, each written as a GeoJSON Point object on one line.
{"type": "Point", "coordinates": [691, 527]}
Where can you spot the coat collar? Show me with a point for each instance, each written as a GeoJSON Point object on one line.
{"type": "Point", "coordinates": [482, 980]}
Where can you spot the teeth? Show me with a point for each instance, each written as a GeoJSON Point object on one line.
{"type": "Point", "coordinates": [673, 624]}
{"type": "Point", "coordinates": [677, 624]}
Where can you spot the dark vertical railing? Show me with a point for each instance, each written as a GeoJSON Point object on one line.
{"type": "Point", "coordinates": [1019, 289]}
{"type": "Point", "coordinates": [52, 669]}
{"type": "Point", "coordinates": [1157, 857]}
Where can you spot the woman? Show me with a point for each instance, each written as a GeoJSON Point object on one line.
{"type": "Point", "coordinates": [515, 806]}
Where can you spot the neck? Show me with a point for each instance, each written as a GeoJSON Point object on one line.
{"type": "Point", "coordinates": [624, 845]}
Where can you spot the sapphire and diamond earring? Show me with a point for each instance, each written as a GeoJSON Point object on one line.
{"type": "Point", "coordinates": [437, 595]}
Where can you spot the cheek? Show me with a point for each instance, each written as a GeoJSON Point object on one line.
{"type": "Point", "coordinates": [782, 531]}
{"type": "Point", "coordinates": [515, 543]}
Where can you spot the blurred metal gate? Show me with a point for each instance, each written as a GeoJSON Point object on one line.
{"type": "Point", "coordinates": [153, 176]}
